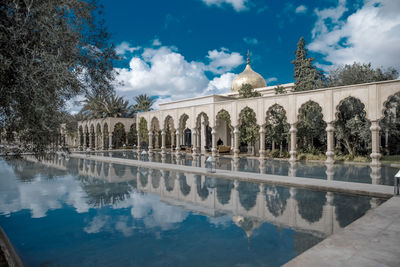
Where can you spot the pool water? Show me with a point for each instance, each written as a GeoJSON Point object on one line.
{"type": "Point", "coordinates": [339, 172]}
{"type": "Point", "coordinates": [80, 212]}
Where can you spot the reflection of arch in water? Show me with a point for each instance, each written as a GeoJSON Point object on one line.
{"type": "Point", "coordinates": [202, 190]}
{"type": "Point", "coordinates": [99, 166]}
{"type": "Point", "coordinates": [155, 178]}
{"type": "Point", "coordinates": [248, 194]}
{"type": "Point", "coordinates": [119, 170]}
{"type": "Point", "coordinates": [143, 177]}
{"type": "Point", "coordinates": [134, 170]}
{"type": "Point", "coordinates": [224, 188]}
{"type": "Point", "coordinates": [185, 188]}
{"type": "Point", "coordinates": [92, 166]}
{"type": "Point", "coordinates": [106, 168]}
{"type": "Point", "coordinates": [311, 204]}
{"type": "Point", "coordinates": [276, 197]}
{"type": "Point", "coordinates": [169, 180]}
{"type": "Point", "coordinates": [349, 208]}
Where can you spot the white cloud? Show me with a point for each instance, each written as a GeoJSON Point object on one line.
{"type": "Point", "coordinates": [156, 42]}
{"type": "Point", "coordinates": [250, 41]}
{"type": "Point", "coordinates": [272, 79]}
{"type": "Point", "coordinates": [371, 34]}
{"type": "Point", "coordinates": [238, 5]}
{"type": "Point", "coordinates": [302, 9]}
{"type": "Point", "coordinates": [124, 47]}
{"type": "Point", "coordinates": [223, 61]}
{"type": "Point", "coordinates": [220, 85]}
{"type": "Point", "coordinates": [164, 72]}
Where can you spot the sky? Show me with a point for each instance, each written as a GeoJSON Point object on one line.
{"type": "Point", "coordinates": [179, 49]}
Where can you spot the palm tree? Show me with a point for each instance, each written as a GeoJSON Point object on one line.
{"type": "Point", "coordinates": [115, 106]}
{"type": "Point", "coordinates": [93, 106]}
{"type": "Point", "coordinates": [143, 103]}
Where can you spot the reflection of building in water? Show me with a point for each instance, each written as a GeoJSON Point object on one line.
{"type": "Point", "coordinates": [250, 204]}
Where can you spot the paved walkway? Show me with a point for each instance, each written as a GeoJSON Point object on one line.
{"type": "Point", "coordinates": [317, 184]}
{"type": "Point", "coordinates": [372, 240]}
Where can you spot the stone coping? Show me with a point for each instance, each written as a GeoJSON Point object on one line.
{"type": "Point", "coordinates": [372, 240]}
{"type": "Point", "coordinates": [311, 183]}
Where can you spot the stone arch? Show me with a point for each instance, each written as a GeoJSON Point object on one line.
{"type": "Point", "coordinates": [390, 124]}
{"type": "Point", "coordinates": [276, 129]}
{"type": "Point", "coordinates": [169, 129]}
{"type": "Point", "coordinates": [203, 132]}
{"type": "Point", "coordinates": [183, 121]}
{"type": "Point", "coordinates": [119, 135]}
{"type": "Point", "coordinates": [224, 188]}
{"type": "Point", "coordinates": [224, 129]}
{"type": "Point", "coordinates": [248, 129]}
{"type": "Point", "coordinates": [185, 188]}
{"type": "Point", "coordinates": [352, 108]}
{"type": "Point", "coordinates": [248, 194]}
{"type": "Point", "coordinates": [311, 126]}
{"type": "Point", "coordinates": [310, 204]}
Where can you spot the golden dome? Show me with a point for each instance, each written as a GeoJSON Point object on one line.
{"type": "Point", "coordinates": [248, 76]}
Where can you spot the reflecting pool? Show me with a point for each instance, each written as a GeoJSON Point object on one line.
{"type": "Point", "coordinates": [339, 172]}
{"type": "Point", "coordinates": [80, 212]}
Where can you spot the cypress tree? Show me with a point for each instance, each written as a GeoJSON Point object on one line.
{"type": "Point", "coordinates": [306, 76]}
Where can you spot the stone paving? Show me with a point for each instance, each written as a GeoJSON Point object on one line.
{"type": "Point", "coordinates": [372, 240]}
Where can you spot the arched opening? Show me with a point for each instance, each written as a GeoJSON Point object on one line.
{"type": "Point", "coordinates": [86, 137]}
{"type": "Point", "coordinates": [248, 194]}
{"type": "Point", "coordinates": [277, 132]}
{"type": "Point", "coordinates": [224, 129]}
{"type": "Point", "coordinates": [390, 126]}
{"type": "Point", "coordinates": [310, 204]}
{"type": "Point", "coordinates": [352, 132]}
{"type": "Point", "coordinates": [92, 136]}
{"type": "Point", "coordinates": [169, 132]}
{"type": "Point", "coordinates": [155, 178]}
{"type": "Point", "coordinates": [224, 189]}
{"type": "Point", "coordinates": [311, 134]}
{"type": "Point", "coordinates": [119, 136]}
{"type": "Point", "coordinates": [81, 137]}
{"type": "Point", "coordinates": [202, 189]}
{"type": "Point", "coordinates": [276, 198]}
{"type": "Point", "coordinates": [143, 133]}
{"type": "Point", "coordinates": [155, 129]}
{"type": "Point", "coordinates": [132, 135]}
{"type": "Point", "coordinates": [203, 132]}
{"type": "Point", "coordinates": [185, 188]}
{"type": "Point", "coordinates": [186, 133]}
{"type": "Point", "coordinates": [249, 130]}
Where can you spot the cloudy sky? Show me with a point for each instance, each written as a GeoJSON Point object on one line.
{"type": "Point", "coordinates": [184, 48]}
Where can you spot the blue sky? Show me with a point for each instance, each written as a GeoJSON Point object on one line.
{"type": "Point", "coordinates": [184, 48]}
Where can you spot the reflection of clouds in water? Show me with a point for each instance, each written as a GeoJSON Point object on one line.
{"type": "Point", "coordinates": [222, 221]}
{"type": "Point", "coordinates": [123, 227]}
{"type": "Point", "coordinates": [96, 224]}
{"type": "Point", "coordinates": [40, 194]}
{"type": "Point", "coordinates": [155, 213]}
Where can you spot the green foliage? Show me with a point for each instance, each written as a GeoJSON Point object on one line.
{"type": "Point", "coordinates": [277, 128]}
{"type": "Point", "coordinates": [144, 103]}
{"type": "Point", "coordinates": [224, 116]}
{"type": "Point", "coordinates": [359, 73]}
{"type": "Point", "coordinates": [391, 124]}
{"type": "Point", "coordinates": [119, 135]}
{"type": "Point", "coordinates": [249, 129]}
{"type": "Point", "coordinates": [132, 135]}
{"type": "Point", "coordinates": [352, 127]}
{"type": "Point", "coordinates": [143, 132]}
{"type": "Point", "coordinates": [247, 91]}
{"type": "Point", "coordinates": [279, 90]}
{"type": "Point", "coordinates": [311, 127]}
{"type": "Point", "coordinates": [306, 76]}
{"type": "Point", "coordinates": [50, 52]}
{"type": "Point", "coordinates": [102, 106]}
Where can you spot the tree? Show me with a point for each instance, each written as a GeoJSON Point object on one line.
{"type": "Point", "coordinates": [101, 106]}
{"type": "Point", "coordinates": [143, 132]}
{"type": "Point", "coordinates": [144, 103]}
{"type": "Point", "coordinates": [359, 73]}
{"type": "Point", "coordinates": [277, 128]}
{"type": "Point", "coordinates": [50, 52]}
{"type": "Point", "coordinates": [306, 76]}
{"type": "Point", "coordinates": [352, 127]}
{"type": "Point", "coordinates": [279, 89]}
{"type": "Point", "coordinates": [247, 91]}
{"type": "Point", "coordinates": [249, 129]}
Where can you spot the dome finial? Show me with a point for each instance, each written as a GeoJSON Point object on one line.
{"type": "Point", "coordinates": [248, 57]}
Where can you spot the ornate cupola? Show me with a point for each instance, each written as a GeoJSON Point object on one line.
{"type": "Point", "coordinates": [248, 76]}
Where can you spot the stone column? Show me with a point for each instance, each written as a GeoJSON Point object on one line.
{"type": "Point", "coordinates": [262, 142]}
{"type": "Point", "coordinates": [387, 141]}
{"type": "Point", "coordinates": [178, 142]}
{"type": "Point", "coordinates": [126, 138]}
{"type": "Point", "coordinates": [292, 169]}
{"type": "Point", "coordinates": [90, 140]}
{"type": "Point", "coordinates": [375, 155]}
{"type": "Point", "coordinates": [110, 135]}
{"type": "Point", "coordinates": [194, 141]}
{"type": "Point", "coordinates": [96, 141]}
{"type": "Point", "coordinates": [293, 142]}
{"type": "Point", "coordinates": [172, 140]}
{"type": "Point", "coordinates": [157, 141]}
{"type": "Point", "coordinates": [330, 171]}
{"type": "Point", "coordinates": [79, 140]}
{"type": "Point", "coordinates": [163, 148]}
{"type": "Point", "coordinates": [213, 142]}
{"type": "Point", "coordinates": [150, 141]}
{"type": "Point", "coordinates": [232, 140]}
{"type": "Point", "coordinates": [236, 150]}
{"type": "Point", "coordinates": [84, 140]}
{"type": "Point", "coordinates": [138, 143]}
{"type": "Point", "coordinates": [203, 136]}
{"type": "Point", "coordinates": [330, 153]}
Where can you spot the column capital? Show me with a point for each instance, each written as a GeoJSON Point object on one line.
{"type": "Point", "coordinates": [293, 128]}
{"type": "Point", "coordinates": [163, 132]}
{"type": "Point", "coordinates": [329, 127]}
